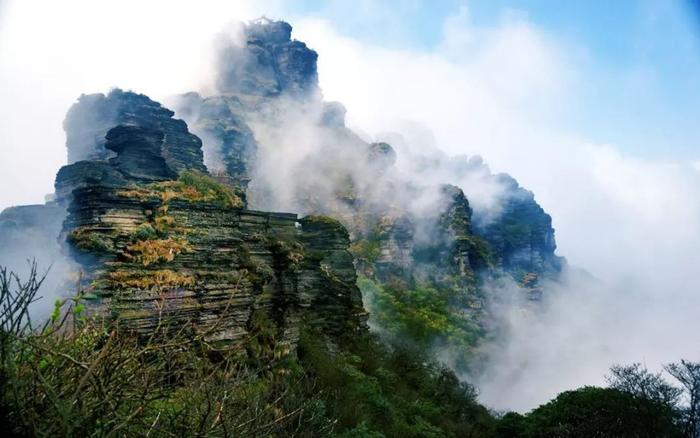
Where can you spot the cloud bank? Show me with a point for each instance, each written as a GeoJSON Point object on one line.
{"type": "Point", "coordinates": [505, 93]}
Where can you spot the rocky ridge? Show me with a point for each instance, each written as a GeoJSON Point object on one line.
{"type": "Point", "coordinates": [161, 240]}
{"type": "Point", "coordinates": [160, 222]}
{"type": "Point", "coordinates": [520, 239]}
{"type": "Point", "coordinates": [446, 250]}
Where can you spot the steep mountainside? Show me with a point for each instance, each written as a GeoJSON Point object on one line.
{"type": "Point", "coordinates": [158, 238]}
{"type": "Point", "coordinates": [159, 219]}
{"type": "Point", "coordinates": [415, 241]}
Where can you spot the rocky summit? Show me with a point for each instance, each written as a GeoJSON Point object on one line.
{"type": "Point", "coordinates": [238, 260]}
{"type": "Point", "coordinates": [160, 239]}
{"type": "Point", "coordinates": [268, 63]}
{"type": "Point", "coordinates": [170, 219]}
{"type": "Point", "coordinates": [404, 231]}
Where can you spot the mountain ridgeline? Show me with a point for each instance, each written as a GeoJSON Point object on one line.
{"type": "Point", "coordinates": [153, 203]}
{"type": "Point", "coordinates": [178, 219]}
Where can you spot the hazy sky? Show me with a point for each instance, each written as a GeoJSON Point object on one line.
{"type": "Point", "coordinates": [640, 59]}
{"type": "Point", "coordinates": [594, 106]}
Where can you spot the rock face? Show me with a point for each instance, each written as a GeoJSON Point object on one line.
{"type": "Point", "coordinates": [421, 247]}
{"type": "Point", "coordinates": [230, 146]}
{"type": "Point", "coordinates": [89, 120]}
{"type": "Point", "coordinates": [132, 139]}
{"type": "Point", "coordinates": [522, 237]}
{"type": "Point", "coordinates": [268, 63]}
{"type": "Point", "coordinates": [159, 221]}
{"type": "Point", "coordinates": [215, 268]}
{"type": "Point", "coordinates": [396, 245]}
{"type": "Point", "coordinates": [462, 250]}
{"type": "Point", "coordinates": [162, 242]}
{"type": "Point", "coordinates": [348, 178]}
{"type": "Point", "coordinates": [439, 249]}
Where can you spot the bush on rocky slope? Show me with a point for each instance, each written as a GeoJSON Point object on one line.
{"type": "Point", "coordinates": [80, 376]}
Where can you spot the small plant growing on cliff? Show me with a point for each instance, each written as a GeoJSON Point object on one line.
{"type": "Point", "coordinates": [154, 280]}
{"type": "Point", "coordinates": [145, 231]}
{"type": "Point", "coordinates": [291, 251]}
{"type": "Point", "coordinates": [321, 220]}
{"type": "Point", "coordinates": [148, 252]}
{"type": "Point", "coordinates": [190, 186]}
{"type": "Point", "coordinates": [197, 187]}
{"type": "Point", "coordinates": [86, 239]}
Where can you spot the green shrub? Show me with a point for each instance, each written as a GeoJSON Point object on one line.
{"type": "Point", "coordinates": [592, 411]}
{"type": "Point", "coordinates": [90, 379]}
{"type": "Point", "coordinates": [197, 186]}
{"type": "Point", "coordinates": [372, 390]}
{"type": "Point", "coordinates": [425, 315]}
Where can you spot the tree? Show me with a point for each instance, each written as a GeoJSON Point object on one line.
{"type": "Point", "coordinates": [688, 374]}
{"type": "Point", "coordinates": [636, 380]}
{"type": "Point", "coordinates": [599, 412]}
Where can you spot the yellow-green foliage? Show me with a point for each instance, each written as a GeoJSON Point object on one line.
{"type": "Point", "coordinates": [292, 251]}
{"type": "Point", "coordinates": [190, 186]}
{"type": "Point", "coordinates": [97, 381]}
{"type": "Point", "coordinates": [368, 250]}
{"type": "Point", "coordinates": [480, 249]}
{"type": "Point", "coordinates": [372, 391]}
{"type": "Point", "coordinates": [153, 280]}
{"type": "Point", "coordinates": [322, 220]}
{"type": "Point", "coordinates": [87, 239]}
{"type": "Point", "coordinates": [209, 188]}
{"type": "Point", "coordinates": [163, 223]}
{"type": "Point", "coordinates": [529, 280]}
{"type": "Point", "coordinates": [262, 344]}
{"type": "Point", "coordinates": [148, 252]}
{"type": "Point", "coordinates": [422, 314]}
{"type": "Point", "coordinates": [145, 231]}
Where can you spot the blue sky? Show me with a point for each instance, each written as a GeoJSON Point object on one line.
{"type": "Point", "coordinates": [639, 60]}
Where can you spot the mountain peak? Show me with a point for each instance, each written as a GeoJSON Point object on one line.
{"type": "Point", "coordinates": [267, 63]}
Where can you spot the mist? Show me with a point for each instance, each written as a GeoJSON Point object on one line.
{"type": "Point", "coordinates": [501, 93]}
{"type": "Point", "coordinates": [48, 59]}
{"type": "Point", "coordinates": [632, 223]}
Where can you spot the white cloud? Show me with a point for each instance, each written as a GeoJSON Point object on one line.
{"type": "Point", "coordinates": [506, 93]}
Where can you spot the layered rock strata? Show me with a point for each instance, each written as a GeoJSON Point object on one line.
{"type": "Point", "coordinates": [197, 264]}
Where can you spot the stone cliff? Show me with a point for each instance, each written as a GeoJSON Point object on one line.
{"type": "Point", "coordinates": [161, 241]}
{"type": "Point", "coordinates": [164, 215]}
{"type": "Point", "coordinates": [149, 254]}
{"type": "Point", "coordinates": [348, 178]}
{"type": "Point", "coordinates": [135, 140]}
{"type": "Point", "coordinates": [268, 63]}
{"type": "Point", "coordinates": [269, 126]}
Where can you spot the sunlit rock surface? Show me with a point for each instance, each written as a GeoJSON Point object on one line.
{"type": "Point", "coordinates": [159, 246]}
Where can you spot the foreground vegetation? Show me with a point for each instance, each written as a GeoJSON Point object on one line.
{"type": "Point", "coordinates": [81, 376]}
